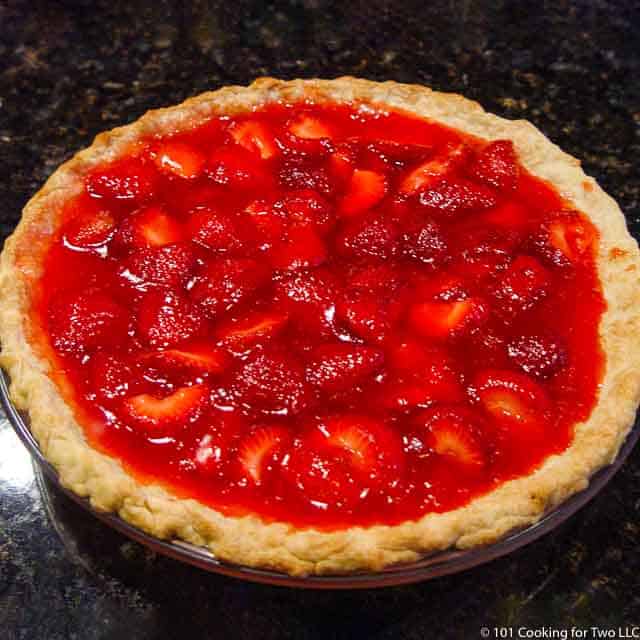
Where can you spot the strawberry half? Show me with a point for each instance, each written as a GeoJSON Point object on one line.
{"type": "Point", "coordinates": [167, 266]}
{"type": "Point", "coordinates": [521, 286]}
{"type": "Point", "coordinates": [538, 356]}
{"type": "Point", "coordinates": [81, 321]}
{"type": "Point", "coordinates": [166, 318]}
{"type": "Point", "coordinates": [375, 236]}
{"type": "Point", "coordinates": [367, 316]}
{"type": "Point", "coordinates": [216, 448]}
{"type": "Point", "coordinates": [447, 319]}
{"type": "Point", "coordinates": [496, 165]}
{"type": "Point", "coordinates": [296, 175]}
{"type": "Point", "coordinates": [126, 179]}
{"type": "Point", "coordinates": [268, 222]}
{"type": "Point", "coordinates": [303, 248]}
{"type": "Point", "coordinates": [510, 397]}
{"type": "Point", "coordinates": [150, 226]}
{"type": "Point", "coordinates": [111, 375]}
{"type": "Point", "coordinates": [306, 207]}
{"type": "Point", "coordinates": [340, 367]}
{"type": "Point", "coordinates": [256, 328]}
{"type": "Point", "coordinates": [364, 190]}
{"type": "Point", "coordinates": [91, 229]}
{"type": "Point", "coordinates": [195, 357]}
{"type": "Point", "coordinates": [180, 159]}
{"type": "Point", "coordinates": [236, 167]}
{"type": "Point", "coordinates": [258, 452]}
{"type": "Point", "coordinates": [454, 432]}
{"type": "Point", "coordinates": [256, 137]}
{"type": "Point", "coordinates": [214, 230]}
{"type": "Point", "coordinates": [164, 416]}
{"type": "Point", "coordinates": [431, 171]}
{"type": "Point", "coordinates": [424, 241]}
{"type": "Point", "coordinates": [224, 283]}
{"type": "Point", "coordinates": [452, 195]}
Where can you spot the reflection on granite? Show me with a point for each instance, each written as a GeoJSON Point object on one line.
{"type": "Point", "coordinates": [69, 69]}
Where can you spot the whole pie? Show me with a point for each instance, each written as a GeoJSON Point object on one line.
{"type": "Point", "coordinates": [323, 326]}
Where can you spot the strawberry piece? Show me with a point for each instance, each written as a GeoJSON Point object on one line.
{"type": "Point", "coordinates": [452, 195]}
{"type": "Point", "coordinates": [367, 316]}
{"type": "Point", "coordinates": [309, 128]}
{"type": "Point", "coordinates": [179, 159]}
{"type": "Point", "coordinates": [126, 179]}
{"type": "Point", "coordinates": [396, 154]}
{"type": "Point", "coordinates": [298, 175]}
{"type": "Point", "coordinates": [341, 163]}
{"type": "Point", "coordinates": [258, 327]}
{"type": "Point", "coordinates": [256, 137]}
{"type": "Point", "coordinates": [304, 248]}
{"type": "Point", "coordinates": [381, 278]}
{"type": "Point", "coordinates": [443, 286]}
{"type": "Point", "coordinates": [456, 433]}
{"type": "Point", "coordinates": [483, 252]}
{"type": "Point", "coordinates": [81, 321]}
{"type": "Point", "coordinates": [166, 318]}
{"type": "Point", "coordinates": [339, 367]}
{"type": "Point", "coordinates": [193, 357]}
{"type": "Point", "coordinates": [446, 319]}
{"type": "Point", "coordinates": [306, 207]}
{"type": "Point", "coordinates": [432, 171]}
{"type": "Point", "coordinates": [111, 376]}
{"type": "Point", "coordinates": [150, 226]}
{"type": "Point", "coordinates": [510, 397]}
{"type": "Point", "coordinates": [496, 165]}
{"type": "Point", "coordinates": [165, 416]}
{"type": "Point", "coordinates": [215, 448]}
{"type": "Point", "coordinates": [538, 356]}
{"type": "Point", "coordinates": [375, 236]}
{"type": "Point", "coordinates": [565, 239]}
{"type": "Point", "coordinates": [91, 229]}
{"type": "Point", "coordinates": [236, 167]}
{"type": "Point", "coordinates": [167, 266]}
{"type": "Point", "coordinates": [258, 452]}
{"type": "Point", "coordinates": [365, 189]}
{"type": "Point", "coordinates": [224, 283]}
{"type": "Point", "coordinates": [521, 286]}
{"type": "Point", "coordinates": [424, 241]}
{"type": "Point", "coordinates": [510, 215]}
{"type": "Point", "coordinates": [309, 297]}
{"type": "Point", "coordinates": [272, 381]}
{"type": "Point", "coordinates": [217, 231]}
{"type": "Point", "coordinates": [405, 395]}
{"type": "Point", "coordinates": [268, 222]}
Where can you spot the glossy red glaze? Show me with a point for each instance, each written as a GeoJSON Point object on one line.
{"type": "Point", "coordinates": [332, 319]}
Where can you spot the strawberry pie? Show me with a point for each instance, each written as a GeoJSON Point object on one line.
{"type": "Point", "coordinates": [323, 326]}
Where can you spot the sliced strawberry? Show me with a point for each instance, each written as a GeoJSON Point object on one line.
{"type": "Point", "coordinates": [431, 171]}
{"type": "Point", "coordinates": [404, 395]}
{"type": "Point", "coordinates": [180, 159]}
{"type": "Point", "coordinates": [126, 179]}
{"type": "Point", "coordinates": [272, 381]}
{"type": "Point", "coordinates": [510, 397]}
{"type": "Point", "coordinates": [258, 452]}
{"type": "Point", "coordinates": [443, 286]}
{"type": "Point", "coordinates": [215, 230]}
{"type": "Point", "coordinates": [395, 154]}
{"type": "Point", "coordinates": [164, 416]}
{"type": "Point", "coordinates": [497, 165]}
{"type": "Point", "coordinates": [367, 316]}
{"type": "Point", "coordinates": [342, 163]}
{"type": "Point", "coordinates": [81, 321]}
{"type": "Point", "coordinates": [216, 448]}
{"type": "Point", "coordinates": [483, 253]}
{"type": "Point", "coordinates": [224, 283]}
{"type": "Point", "coordinates": [300, 175]}
{"type": "Point", "coordinates": [195, 356]}
{"type": "Point", "coordinates": [306, 207]}
{"type": "Point", "coordinates": [257, 327]}
{"type": "Point", "coordinates": [236, 167]}
{"type": "Point", "coordinates": [452, 195]}
{"type": "Point", "coordinates": [423, 240]}
{"type": "Point", "coordinates": [91, 229]}
{"type": "Point", "coordinates": [166, 318]}
{"type": "Point", "coordinates": [566, 239]}
{"type": "Point", "coordinates": [150, 226]}
{"type": "Point", "coordinates": [309, 127]}
{"type": "Point", "coordinates": [538, 356]}
{"type": "Point", "coordinates": [445, 319]}
{"type": "Point", "coordinates": [521, 286]}
{"type": "Point", "coordinates": [256, 137]}
{"type": "Point", "coordinates": [303, 248]}
{"type": "Point", "coordinates": [167, 266]}
{"type": "Point", "coordinates": [268, 221]}
{"type": "Point", "coordinates": [364, 191]}
{"type": "Point", "coordinates": [375, 236]}
{"type": "Point", "coordinates": [339, 367]}
{"type": "Point", "coordinates": [112, 376]}
{"type": "Point", "coordinates": [454, 432]}
{"type": "Point", "coordinates": [378, 278]}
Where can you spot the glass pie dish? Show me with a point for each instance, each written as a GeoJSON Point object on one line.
{"type": "Point", "coordinates": [431, 566]}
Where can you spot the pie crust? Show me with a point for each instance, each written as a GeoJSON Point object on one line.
{"type": "Point", "coordinates": [281, 546]}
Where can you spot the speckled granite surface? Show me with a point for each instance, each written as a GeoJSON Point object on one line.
{"type": "Point", "coordinates": [71, 69]}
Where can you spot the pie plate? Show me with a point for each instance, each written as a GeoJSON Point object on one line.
{"type": "Point", "coordinates": [432, 566]}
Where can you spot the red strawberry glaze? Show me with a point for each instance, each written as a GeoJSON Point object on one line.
{"type": "Point", "coordinates": [327, 391]}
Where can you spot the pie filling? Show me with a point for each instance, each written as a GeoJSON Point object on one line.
{"type": "Point", "coordinates": [328, 315]}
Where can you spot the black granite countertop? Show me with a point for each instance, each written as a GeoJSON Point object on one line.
{"type": "Point", "coordinates": [69, 69]}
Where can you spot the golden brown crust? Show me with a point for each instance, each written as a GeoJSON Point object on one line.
{"type": "Point", "coordinates": [280, 546]}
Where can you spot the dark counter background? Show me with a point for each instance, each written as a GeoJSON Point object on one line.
{"type": "Point", "coordinates": [71, 69]}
